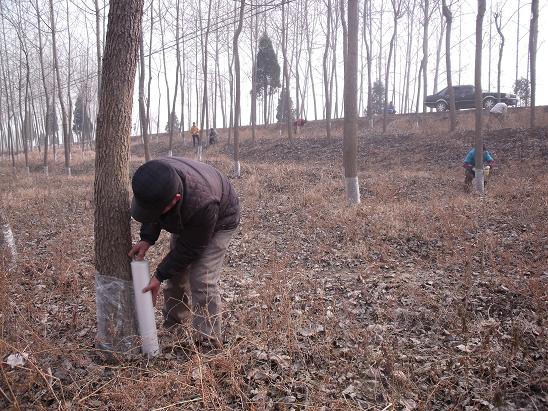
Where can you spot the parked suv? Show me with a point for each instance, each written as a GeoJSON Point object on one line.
{"type": "Point", "coordinates": [465, 97]}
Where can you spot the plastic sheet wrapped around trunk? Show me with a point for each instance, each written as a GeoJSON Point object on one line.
{"type": "Point", "coordinates": [116, 330]}
{"type": "Point", "coordinates": [144, 309]}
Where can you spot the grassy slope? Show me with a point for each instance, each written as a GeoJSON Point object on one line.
{"type": "Point", "coordinates": [421, 296]}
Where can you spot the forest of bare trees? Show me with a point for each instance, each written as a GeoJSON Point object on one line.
{"type": "Point", "coordinates": [289, 66]}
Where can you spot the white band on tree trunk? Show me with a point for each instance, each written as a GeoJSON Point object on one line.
{"type": "Point", "coordinates": [352, 189]}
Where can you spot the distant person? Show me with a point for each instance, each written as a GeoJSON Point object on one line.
{"type": "Point", "coordinates": [195, 133]}
{"type": "Point", "coordinates": [470, 164]}
{"type": "Point", "coordinates": [498, 112]}
{"type": "Point", "coordinates": [390, 109]}
{"type": "Point", "coordinates": [197, 204]}
{"type": "Point", "coordinates": [213, 136]}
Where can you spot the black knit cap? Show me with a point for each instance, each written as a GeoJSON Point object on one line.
{"type": "Point", "coordinates": [154, 185]}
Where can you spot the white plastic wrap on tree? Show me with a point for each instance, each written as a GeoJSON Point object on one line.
{"type": "Point", "coordinates": [170, 153]}
{"type": "Point", "coordinates": [352, 189]}
{"type": "Point", "coordinates": [9, 239]}
{"type": "Point", "coordinates": [479, 181]}
{"type": "Point", "coordinates": [46, 170]}
{"type": "Point", "coordinates": [237, 169]}
{"type": "Point", "coordinates": [144, 308]}
{"type": "Point", "coordinates": [68, 171]}
{"type": "Point", "coordinates": [199, 153]}
{"type": "Point", "coordinates": [27, 170]}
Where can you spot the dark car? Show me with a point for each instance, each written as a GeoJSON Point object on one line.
{"type": "Point", "coordinates": [465, 97]}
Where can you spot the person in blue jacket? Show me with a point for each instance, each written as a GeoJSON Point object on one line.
{"type": "Point", "coordinates": [470, 164]}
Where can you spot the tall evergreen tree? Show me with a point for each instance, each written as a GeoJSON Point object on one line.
{"type": "Point", "coordinates": [81, 123]}
{"type": "Point", "coordinates": [285, 107]}
{"type": "Point", "coordinates": [268, 72]}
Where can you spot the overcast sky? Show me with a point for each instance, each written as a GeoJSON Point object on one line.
{"type": "Point", "coordinates": [463, 40]}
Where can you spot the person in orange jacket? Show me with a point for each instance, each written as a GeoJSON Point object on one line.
{"type": "Point", "coordinates": [195, 132]}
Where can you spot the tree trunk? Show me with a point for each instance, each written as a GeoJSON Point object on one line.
{"type": "Point", "coordinates": [237, 102]}
{"type": "Point", "coordinates": [452, 110]}
{"type": "Point", "coordinates": [150, 68]}
{"type": "Point", "coordinates": [533, 39]}
{"type": "Point", "coordinates": [142, 113]}
{"type": "Point", "coordinates": [112, 217]}
{"type": "Point", "coordinates": [326, 74]}
{"type": "Point", "coordinates": [204, 44]}
{"type": "Point", "coordinates": [69, 81]}
{"type": "Point", "coordinates": [424, 63]}
{"type": "Point", "coordinates": [171, 117]}
{"type": "Point", "coordinates": [498, 22]}
{"type": "Point", "coordinates": [396, 7]}
{"type": "Point", "coordinates": [168, 100]}
{"type": "Point", "coordinates": [253, 39]}
{"type": "Point", "coordinates": [60, 92]}
{"type": "Point", "coordinates": [98, 45]}
{"type": "Point", "coordinates": [287, 96]}
{"type": "Point", "coordinates": [44, 83]}
{"type": "Point", "coordinates": [438, 55]}
{"type": "Point", "coordinates": [350, 106]}
{"type": "Point", "coordinates": [479, 100]}
{"type": "Point", "coordinates": [367, 22]}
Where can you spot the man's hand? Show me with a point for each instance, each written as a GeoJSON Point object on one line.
{"type": "Point", "coordinates": [154, 286]}
{"type": "Point", "coordinates": [139, 250]}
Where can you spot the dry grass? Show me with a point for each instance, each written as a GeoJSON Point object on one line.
{"type": "Point", "coordinates": [420, 297]}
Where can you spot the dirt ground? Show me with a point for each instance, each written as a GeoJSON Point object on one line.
{"type": "Point", "coordinates": [421, 297]}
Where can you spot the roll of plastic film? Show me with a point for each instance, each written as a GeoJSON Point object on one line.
{"type": "Point", "coordinates": [144, 308]}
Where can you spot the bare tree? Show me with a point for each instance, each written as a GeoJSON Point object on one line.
{"type": "Point", "coordinates": [452, 110]}
{"type": "Point", "coordinates": [368, 40]}
{"type": "Point", "coordinates": [479, 105]}
{"type": "Point", "coordinates": [498, 17]}
{"type": "Point", "coordinates": [350, 106]}
{"type": "Point", "coordinates": [286, 104]}
{"type": "Point", "coordinates": [60, 92]}
{"type": "Point", "coordinates": [397, 10]}
{"type": "Point", "coordinates": [98, 44]}
{"type": "Point", "coordinates": [112, 217]}
{"type": "Point", "coordinates": [327, 95]}
{"type": "Point", "coordinates": [142, 111]}
{"type": "Point", "coordinates": [237, 87]}
{"type": "Point", "coordinates": [44, 83]}
{"type": "Point", "coordinates": [533, 39]}
{"type": "Point", "coordinates": [204, 43]}
{"type": "Point", "coordinates": [171, 118]}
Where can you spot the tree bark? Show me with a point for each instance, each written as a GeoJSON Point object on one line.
{"type": "Point", "coordinates": [178, 57]}
{"type": "Point", "coordinates": [350, 106]}
{"type": "Point", "coordinates": [142, 111]}
{"type": "Point", "coordinates": [112, 216]}
{"type": "Point", "coordinates": [98, 45]}
{"type": "Point", "coordinates": [237, 86]}
{"type": "Point", "coordinates": [479, 100]}
{"type": "Point", "coordinates": [64, 119]}
{"type": "Point", "coordinates": [326, 74]}
{"type": "Point", "coordinates": [287, 97]}
{"type": "Point", "coordinates": [533, 39]}
{"type": "Point", "coordinates": [44, 83]}
{"type": "Point", "coordinates": [498, 23]}
{"type": "Point", "coordinates": [452, 110]}
{"type": "Point", "coordinates": [396, 7]}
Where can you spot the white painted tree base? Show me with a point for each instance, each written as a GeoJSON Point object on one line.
{"type": "Point", "coordinates": [237, 169]}
{"type": "Point", "coordinates": [170, 153]}
{"type": "Point", "coordinates": [46, 170]}
{"type": "Point", "coordinates": [352, 188]}
{"type": "Point", "coordinates": [479, 181]}
{"type": "Point", "coordinates": [68, 171]}
{"type": "Point", "coordinates": [199, 153]}
{"type": "Point", "coordinates": [27, 170]}
{"type": "Point", "coordinates": [10, 241]}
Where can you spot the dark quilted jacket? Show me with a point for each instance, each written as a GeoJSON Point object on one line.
{"type": "Point", "coordinates": [209, 204]}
